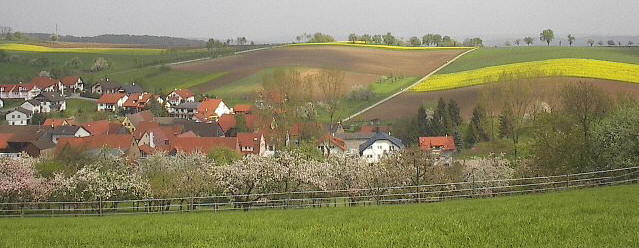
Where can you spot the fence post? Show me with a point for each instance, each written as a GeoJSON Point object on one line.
{"type": "Point", "coordinates": [100, 206]}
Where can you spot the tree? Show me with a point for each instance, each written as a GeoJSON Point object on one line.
{"type": "Point", "coordinates": [611, 42]}
{"type": "Point", "coordinates": [223, 156]}
{"type": "Point", "coordinates": [414, 41]}
{"type": "Point", "coordinates": [441, 119]}
{"type": "Point", "coordinates": [74, 63]}
{"type": "Point", "coordinates": [352, 38]}
{"type": "Point", "coordinates": [600, 43]}
{"type": "Point", "coordinates": [54, 37]}
{"type": "Point", "coordinates": [529, 40]}
{"type": "Point", "coordinates": [571, 39]}
{"type": "Point", "coordinates": [476, 132]}
{"type": "Point", "coordinates": [100, 64]}
{"type": "Point", "coordinates": [366, 38]}
{"type": "Point", "coordinates": [630, 43]}
{"type": "Point", "coordinates": [422, 121]}
{"type": "Point", "coordinates": [517, 98]}
{"type": "Point", "coordinates": [377, 39]}
{"type": "Point", "coordinates": [455, 113]}
{"type": "Point", "coordinates": [547, 35]}
{"type": "Point", "coordinates": [156, 108]}
{"type": "Point", "coordinates": [507, 43]}
{"type": "Point", "coordinates": [331, 82]}
{"type": "Point", "coordinates": [617, 138]}
{"type": "Point", "coordinates": [389, 39]}
{"type": "Point", "coordinates": [517, 42]}
{"type": "Point", "coordinates": [591, 42]}
{"type": "Point", "coordinates": [585, 104]}
{"type": "Point", "coordinates": [321, 38]}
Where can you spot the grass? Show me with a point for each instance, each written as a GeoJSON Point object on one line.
{"type": "Point", "coordinates": [81, 110]}
{"type": "Point", "coordinates": [485, 57]}
{"type": "Point", "coordinates": [584, 68]}
{"type": "Point", "coordinates": [11, 103]}
{"type": "Point", "coordinates": [360, 44]}
{"type": "Point", "coordinates": [155, 79]}
{"type": "Point", "coordinates": [600, 217]}
{"type": "Point", "coordinates": [44, 49]}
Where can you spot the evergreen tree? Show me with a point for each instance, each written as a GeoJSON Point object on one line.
{"type": "Point", "coordinates": [156, 108]}
{"type": "Point", "coordinates": [441, 120]}
{"type": "Point", "coordinates": [422, 121]}
{"type": "Point", "coordinates": [506, 125]}
{"type": "Point", "coordinates": [477, 124]}
{"type": "Point", "coordinates": [454, 112]}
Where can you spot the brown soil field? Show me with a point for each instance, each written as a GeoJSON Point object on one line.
{"type": "Point", "coordinates": [545, 90]}
{"type": "Point", "coordinates": [357, 60]}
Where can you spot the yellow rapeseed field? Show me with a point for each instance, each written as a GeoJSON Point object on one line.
{"type": "Point", "coordinates": [44, 49]}
{"type": "Point", "coordinates": [361, 44]}
{"type": "Point", "coordinates": [583, 68]}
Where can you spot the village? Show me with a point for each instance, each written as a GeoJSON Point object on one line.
{"type": "Point", "coordinates": [187, 125]}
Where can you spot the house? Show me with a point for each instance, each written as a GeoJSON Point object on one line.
{"type": "Point", "coordinates": [68, 131]}
{"type": "Point", "coordinates": [130, 121]}
{"type": "Point", "coordinates": [251, 143]}
{"type": "Point", "coordinates": [105, 86]}
{"type": "Point", "coordinates": [19, 91]}
{"type": "Point", "coordinates": [47, 84]}
{"type": "Point", "coordinates": [204, 144]}
{"type": "Point", "coordinates": [19, 117]}
{"type": "Point", "coordinates": [119, 144]}
{"type": "Point", "coordinates": [184, 110]}
{"type": "Point", "coordinates": [378, 146]}
{"type": "Point", "coordinates": [33, 106]}
{"type": "Point", "coordinates": [111, 102]}
{"type": "Point", "coordinates": [136, 102]}
{"type": "Point", "coordinates": [178, 97]}
{"type": "Point", "coordinates": [51, 102]}
{"type": "Point", "coordinates": [329, 144]}
{"type": "Point", "coordinates": [1, 103]}
{"type": "Point", "coordinates": [131, 89]}
{"type": "Point", "coordinates": [443, 145]}
{"type": "Point", "coordinates": [56, 122]}
{"type": "Point", "coordinates": [159, 137]}
{"type": "Point", "coordinates": [32, 140]}
{"type": "Point", "coordinates": [243, 109]}
{"type": "Point", "coordinates": [72, 84]}
{"type": "Point", "coordinates": [210, 110]}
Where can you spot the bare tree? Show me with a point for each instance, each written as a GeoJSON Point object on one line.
{"type": "Point", "coordinates": [590, 42]}
{"type": "Point", "coordinates": [571, 39]}
{"type": "Point", "coordinates": [331, 82]}
{"type": "Point", "coordinates": [529, 40]}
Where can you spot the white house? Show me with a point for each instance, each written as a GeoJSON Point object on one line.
{"type": "Point", "coordinates": [51, 102]}
{"type": "Point", "coordinates": [111, 102]}
{"type": "Point", "coordinates": [67, 132]}
{"type": "Point", "coordinates": [378, 146]}
{"type": "Point", "coordinates": [19, 117]}
{"type": "Point", "coordinates": [19, 91]}
{"type": "Point", "coordinates": [47, 84]}
{"type": "Point", "coordinates": [1, 103]}
{"type": "Point", "coordinates": [180, 96]}
{"type": "Point", "coordinates": [211, 110]}
{"type": "Point", "coordinates": [33, 105]}
{"type": "Point", "coordinates": [73, 84]}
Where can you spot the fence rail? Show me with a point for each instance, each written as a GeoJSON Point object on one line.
{"type": "Point", "coordinates": [326, 198]}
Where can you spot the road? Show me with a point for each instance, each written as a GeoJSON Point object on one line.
{"type": "Point", "coordinates": [407, 88]}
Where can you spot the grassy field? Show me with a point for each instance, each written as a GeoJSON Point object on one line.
{"type": "Point", "coordinates": [361, 44]}
{"type": "Point", "coordinates": [82, 111]}
{"type": "Point", "coordinates": [601, 217]}
{"type": "Point", "coordinates": [485, 57]}
{"type": "Point", "coordinates": [156, 79]}
{"type": "Point", "coordinates": [581, 68]}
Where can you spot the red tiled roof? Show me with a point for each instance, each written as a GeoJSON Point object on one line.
{"type": "Point", "coordinates": [52, 122]}
{"type": "Point", "coordinates": [243, 108]}
{"type": "Point", "coordinates": [337, 142]}
{"type": "Point", "coordinates": [4, 140]}
{"type": "Point", "coordinates": [228, 122]}
{"type": "Point", "coordinates": [69, 80]}
{"type": "Point", "coordinates": [447, 143]}
{"type": "Point", "coordinates": [137, 100]}
{"type": "Point", "coordinates": [115, 141]}
{"type": "Point", "coordinates": [16, 87]}
{"type": "Point", "coordinates": [183, 93]}
{"type": "Point", "coordinates": [189, 134]}
{"type": "Point", "coordinates": [102, 127]}
{"type": "Point", "coordinates": [249, 140]}
{"type": "Point", "coordinates": [144, 126]}
{"type": "Point", "coordinates": [44, 82]}
{"type": "Point", "coordinates": [110, 98]}
{"type": "Point", "coordinates": [204, 144]}
{"type": "Point", "coordinates": [373, 129]}
{"type": "Point", "coordinates": [207, 108]}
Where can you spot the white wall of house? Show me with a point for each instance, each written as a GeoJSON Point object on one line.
{"type": "Point", "coordinates": [31, 107]}
{"type": "Point", "coordinates": [1, 103]}
{"type": "Point", "coordinates": [377, 150]}
{"type": "Point", "coordinates": [222, 109]}
{"type": "Point", "coordinates": [17, 118]}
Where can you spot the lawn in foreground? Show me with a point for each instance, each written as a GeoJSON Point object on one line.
{"type": "Point", "coordinates": [485, 57]}
{"type": "Point", "coordinates": [601, 217]}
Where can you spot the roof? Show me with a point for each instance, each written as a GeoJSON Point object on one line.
{"type": "Point", "coordinates": [70, 80]}
{"type": "Point", "coordinates": [56, 122]}
{"type": "Point", "coordinates": [446, 143]}
{"type": "Point", "coordinates": [110, 98]}
{"type": "Point", "coordinates": [204, 144]}
{"type": "Point", "coordinates": [34, 102]}
{"type": "Point", "coordinates": [187, 134]}
{"type": "Point", "coordinates": [113, 141]}
{"type": "Point", "coordinates": [183, 93]}
{"type": "Point", "coordinates": [380, 136]}
{"type": "Point", "coordinates": [44, 82]}
{"type": "Point", "coordinates": [65, 130]}
{"type": "Point", "coordinates": [207, 108]}
{"type": "Point", "coordinates": [14, 87]}
{"type": "Point", "coordinates": [228, 122]}
{"type": "Point", "coordinates": [107, 84]}
{"type": "Point", "coordinates": [131, 89]}
{"type": "Point", "coordinates": [22, 110]}
{"type": "Point", "coordinates": [243, 108]}
{"type": "Point", "coordinates": [201, 129]}
{"type": "Point", "coordinates": [140, 116]}
{"type": "Point", "coordinates": [137, 100]}
{"type": "Point", "coordinates": [50, 96]}
{"type": "Point", "coordinates": [103, 127]}
{"type": "Point", "coordinates": [40, 136]}
{"type": "Point", "coordinates": [337, 142]}
{"type": "Point", "coordinates": [250, 140]}
{"type": "Point", "coordinates": [4, 140]}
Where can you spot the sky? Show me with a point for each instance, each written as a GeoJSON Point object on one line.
{"type": "Point", "coordinates": [282, 20]}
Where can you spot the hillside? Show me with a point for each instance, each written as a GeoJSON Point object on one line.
{"type": "Point", "coordinates": [601, 217]}
{"type": "Point", "coordinates": [146, 40]}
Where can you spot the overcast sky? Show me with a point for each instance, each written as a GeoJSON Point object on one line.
{"type": "Point", "coordinates": [281, 20]}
